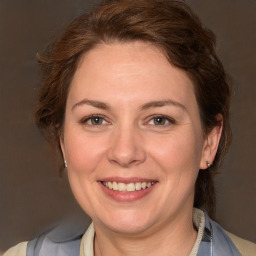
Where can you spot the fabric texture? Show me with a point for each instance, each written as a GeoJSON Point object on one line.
{"type": "Point", "coordinates": [72, 240]}
{"type": "Point", "coordinates": [199, 223]}
{"type": "Point", "coordinates": [18, 250]}
{"type": "Point", "coordinates": [246, 248]}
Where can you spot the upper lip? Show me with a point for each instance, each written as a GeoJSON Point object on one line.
{"type": "Point", "coordinates": [127, 180]}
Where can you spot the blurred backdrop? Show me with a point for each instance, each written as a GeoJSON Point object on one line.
{"type": "Point", "coordinates": [32, 196]}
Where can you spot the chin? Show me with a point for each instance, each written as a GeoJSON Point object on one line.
{"type": "Point", "coordinates": [128, 223]}
{"type": "Point", "coordinates": [128, 228]}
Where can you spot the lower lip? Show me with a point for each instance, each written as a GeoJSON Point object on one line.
{"type": "Point", "coordinates": [126, 196]}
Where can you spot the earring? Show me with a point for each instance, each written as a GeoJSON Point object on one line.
{"type": "Point", "coordinates": [208, 164]}
{"type": "Point", "coordinates": [65, 164]}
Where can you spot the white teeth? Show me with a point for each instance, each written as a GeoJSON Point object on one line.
{"type": "Point", "coordinates": [138, 185]}
{"type": "Point", "coordinates": [149, 184]}
{"type": "Point", "coordinates": [110, 185]}
{"type": "Point", "coordinates": [130, 187]}
{"type": "Point", "coordinates": [121, 187]}
{"type": "Point", "coordinates": [115, 187]}
{"type": "Point", "coordinates": [144, 185]}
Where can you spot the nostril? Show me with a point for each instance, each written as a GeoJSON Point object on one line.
{"type": "Point", "coordinates": [126, 148]}
{"type": "Point", "coordinates": [127, 160]}
{"type": "Point", "coordinates": [123, 163]}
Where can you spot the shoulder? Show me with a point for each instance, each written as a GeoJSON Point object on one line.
{"type": "Point", "coordinates": [63, 240]}
{"type": "Point", "coordinates": [224, 241]}
{"type": "Point", "coordinates": [18, 250]}
{"type": "Point", "coordinates": [246, 247]}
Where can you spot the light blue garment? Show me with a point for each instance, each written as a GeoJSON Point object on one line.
{"type": "Point", "coordinates": [215, 241]}
{"type": "Point", "coordinates": [65, 241]}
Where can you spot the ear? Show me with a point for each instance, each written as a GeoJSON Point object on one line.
{"type": "Point", "coordinates": [62, 146]}
{"type": "Point", "coordinates": [211, 143]}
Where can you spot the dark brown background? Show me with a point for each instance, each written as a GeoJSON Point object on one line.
{"type": "Point", "coordinates": [32, 196]}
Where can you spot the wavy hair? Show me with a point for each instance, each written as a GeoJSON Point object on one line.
{"type": "Point", "coordinates": [171, 26]}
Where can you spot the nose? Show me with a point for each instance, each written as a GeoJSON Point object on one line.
{"type": "Point", "coordinates": [126, 148]}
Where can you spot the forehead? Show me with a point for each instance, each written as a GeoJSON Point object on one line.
{"type": "Point", "coordinates": [123, 58]}
{"type": "Point", "coordinates": [129, 71]}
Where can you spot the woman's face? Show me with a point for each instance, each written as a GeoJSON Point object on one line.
{"type": "Point", "coordinates": [132, 121]}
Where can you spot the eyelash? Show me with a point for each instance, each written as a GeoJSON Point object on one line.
{"type": "Point", "coordinates": [170, 120]}
{"type": "Point", "coordinates": [91, 117]}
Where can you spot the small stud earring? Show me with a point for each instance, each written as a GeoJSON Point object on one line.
{"type": "Point", "coordinates": [65, 163]}
{"type": "Point", "coordinates": [208, 164]}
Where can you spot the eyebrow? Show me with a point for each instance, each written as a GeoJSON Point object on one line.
{"type": "Point", "coordinates": [155, 104]}
{"type": "Point", "coordinates": [152, 104]}
{"type": "Point", "coordinates": [96, 104]}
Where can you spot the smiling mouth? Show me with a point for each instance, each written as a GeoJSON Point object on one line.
{"type": "Point", "coordinates": [130, 187]}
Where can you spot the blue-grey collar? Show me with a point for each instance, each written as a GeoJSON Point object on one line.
{"type": "Point", "coordinates": [215, 241]}
{"type": "Point", "coordinates": [65, 241]}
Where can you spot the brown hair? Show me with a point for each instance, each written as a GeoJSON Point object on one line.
{"type": "Point", "coordinates": [168, 25]}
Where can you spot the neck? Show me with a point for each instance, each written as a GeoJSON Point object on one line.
{"type": "Point", "coordinates": [177, 238]}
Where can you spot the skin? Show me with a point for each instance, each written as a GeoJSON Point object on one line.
{"type": "Point", "coordinates": [130, 142]}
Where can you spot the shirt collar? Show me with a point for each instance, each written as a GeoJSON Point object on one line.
{"type": "Point", "coordinates": [87, 242]}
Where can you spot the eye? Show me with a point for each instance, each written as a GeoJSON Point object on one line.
{"type": "Point", "coordinates": [161, 121]}
{"type": "Point", "coordinates": [94, 120]}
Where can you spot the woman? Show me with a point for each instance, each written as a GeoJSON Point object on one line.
{"type": "Point", "coordinates": [138, 103]}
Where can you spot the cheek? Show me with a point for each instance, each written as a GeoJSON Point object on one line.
{"type": "Point", "coordinates": [83, 153]}
{"type": "Point", "coordinates": [178, 157]}
{"type": "Point", "coordinates": [176, 150]}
